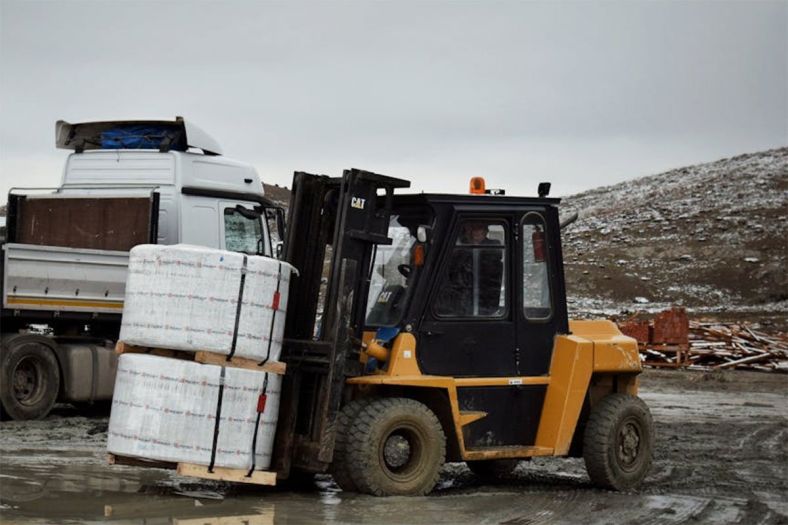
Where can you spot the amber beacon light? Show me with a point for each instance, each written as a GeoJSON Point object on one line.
{"type": "Point", "coordinates": [477, 185]}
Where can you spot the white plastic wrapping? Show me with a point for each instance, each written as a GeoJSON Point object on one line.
{"type": "Point", "coordinates": [165, 409]}
{"type": "Point", "coordinates": [186, 298]}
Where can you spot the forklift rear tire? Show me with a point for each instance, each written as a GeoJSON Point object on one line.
{"type": "Point", "coordinates": [29, 380]}
{"type": "Point", "coordinates": [493, 469]}
{"type": "Point", "coordinates": [396, 448]}
{"type": "Point", "coordinates": [618, 442]}
{"type": "Point", "coordinates": [340, 467]}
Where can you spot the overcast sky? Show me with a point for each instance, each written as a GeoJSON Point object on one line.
{"type": "Point", "coordinates": [580, 94]}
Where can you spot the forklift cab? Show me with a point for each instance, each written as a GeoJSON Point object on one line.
{"type": "Point", "coordinates": [477, 279]}
{"type": "Point", "coordinates": [441, 334]}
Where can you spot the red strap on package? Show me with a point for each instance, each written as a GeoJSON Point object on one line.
{"type": "Point", "coordinates": [275, 303]}
{"type": "Point", "coordinates": [261, 402]}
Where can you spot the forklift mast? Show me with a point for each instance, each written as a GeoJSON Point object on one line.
{"type": "Point", "coordinates": [340, 220]}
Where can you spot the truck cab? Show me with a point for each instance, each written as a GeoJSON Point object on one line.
{"type": "Point", "coordinates": [65, 257]}
{"type": "Point", "coordinates": [201, 194]}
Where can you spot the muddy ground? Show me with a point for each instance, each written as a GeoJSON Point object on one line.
{"type": "Point", "coordinates": [721, 457]}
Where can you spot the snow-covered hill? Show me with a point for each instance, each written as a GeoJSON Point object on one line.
{"type": "Point", "coordinates": [710, 236]}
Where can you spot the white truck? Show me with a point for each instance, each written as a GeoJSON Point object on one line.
{"type": "Point", "coordinates": [65, 255]}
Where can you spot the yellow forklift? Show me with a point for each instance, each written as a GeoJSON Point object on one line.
{"type": "Point", "coordinates": [426, 328]}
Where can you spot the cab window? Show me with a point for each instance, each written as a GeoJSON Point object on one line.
{"type": "Point", "coordinates": [474, 284]}
{"type": "Point", "coordinates": [537, 301]}
{"type": "Point", "coordinates": [396, 268]}
{"type": "Point", "coordinates": [243, 232]}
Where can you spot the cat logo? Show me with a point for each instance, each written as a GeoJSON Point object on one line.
{"type": "Point", "coordinates": [358, 202]}
{"type": "Point", "coordinates": [384, 297]}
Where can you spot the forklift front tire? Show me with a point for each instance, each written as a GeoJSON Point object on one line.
{"type": "Point", "coordinates": [340, 467]}
{"type": "Point", "coordinates": [618, 442]}
{"type": "Point", "coordinates": [396, 448]}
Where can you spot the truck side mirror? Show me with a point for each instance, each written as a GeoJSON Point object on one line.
{"type": "Point", "coordinates": [247, 213]}
{"type": "Point", "coordinates": [275, 218]}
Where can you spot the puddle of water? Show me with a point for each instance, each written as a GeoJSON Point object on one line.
{"type": "Point", "coordinates": [100, 493]}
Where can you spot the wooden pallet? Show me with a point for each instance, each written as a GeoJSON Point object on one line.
{"type": "Point", "coordinates": [258, 477]}
{"type": "Point", "coordinates": [665, 355]}
{"type": "Point", "coordinates": [208, 358]}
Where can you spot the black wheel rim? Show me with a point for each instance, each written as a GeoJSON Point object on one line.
{"type": "Point", "coordinates": [401, 451]}
{"type": "Point", "coordinates": [629, 444]}
{"type": "Point", "coordinates": [28, 381]}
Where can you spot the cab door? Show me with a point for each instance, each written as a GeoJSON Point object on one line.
{"type": "Point", "coordinates": [468, 329]}
{"type": "Point", "coordinates": [538, 312]}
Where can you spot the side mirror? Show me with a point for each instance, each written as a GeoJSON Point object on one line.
{"type": "Point", "coordinates": [247, 213]}
{"type": "Point", "coordinates": [543, 189]}
{"type": "Point", "coordinates": [275, 218]}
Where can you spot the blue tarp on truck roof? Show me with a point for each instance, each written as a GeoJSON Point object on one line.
{"type": "Point", "coordinates": [138, 137]}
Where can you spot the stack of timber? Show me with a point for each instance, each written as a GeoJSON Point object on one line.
{"type": "Point", "coordinates": [672, 340]}
{"type": "Point", "coordinates": [727, 346]}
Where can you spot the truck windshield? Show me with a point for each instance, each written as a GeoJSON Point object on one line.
{"type": "Point", "coordinates": [243, 233]}
{"type": "Point", "coordinates": [394, 270]}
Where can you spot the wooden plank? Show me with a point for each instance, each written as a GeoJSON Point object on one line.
{"type": "Point", "coordinates": [751, 359]}
{"type": "Point", "coordinates": [125, 348]}
{"type": "Point", "coordinates": [209, 358]}
{"type": "Point", "coordinates": [258, 477]}
{"type": "Point", "coordinates": [204, 357]}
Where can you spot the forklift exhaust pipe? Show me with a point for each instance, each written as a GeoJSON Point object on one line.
{"type": "Point", "coordinates": [569, 220]}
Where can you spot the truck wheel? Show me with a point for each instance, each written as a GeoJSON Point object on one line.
{"type": "Point", "coordinates": [340, 467]}
{"type": "Point", "coordinates": [618, 442]}
{"type": "Point", "coordinates": [30, 380]}
{"type": "Point", "coordinates": [493, 469]}
{"type": "Point", "coordinates": [397, 448]}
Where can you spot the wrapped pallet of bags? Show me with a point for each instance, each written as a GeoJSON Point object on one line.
{"type": "Point", "coordinates": [181, 411]}
{"type": "Point", "coordinates": [197, 384]}
{"type": "Point", "coordinates": [200, 299]}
